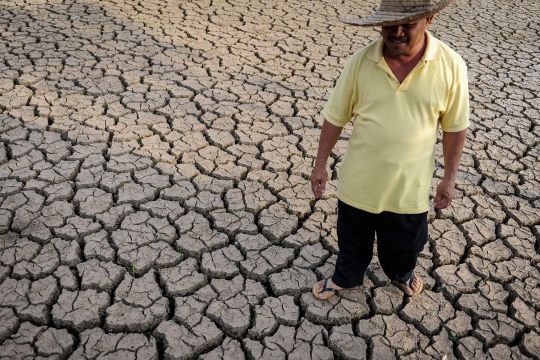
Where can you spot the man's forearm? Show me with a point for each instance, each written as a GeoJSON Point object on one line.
{"type": "Point", "coordinates": [453, 143]}
{"type": "Point", "coordinates": [329, 136]}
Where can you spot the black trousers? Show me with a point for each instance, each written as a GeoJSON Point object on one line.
{"type": "Point", "coordinates": [400, 239]}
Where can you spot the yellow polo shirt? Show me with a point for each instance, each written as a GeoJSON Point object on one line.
{"type": "Point", "coordinates": [390, 156]}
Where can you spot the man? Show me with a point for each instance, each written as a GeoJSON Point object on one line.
{"type": "Point", "coordinates": [397, 91]}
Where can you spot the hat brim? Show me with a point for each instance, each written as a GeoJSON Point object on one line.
{"type": "Point", "coordinates": [386, 18]}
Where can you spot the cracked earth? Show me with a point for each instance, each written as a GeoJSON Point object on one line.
{"type": "Point", "coordinates": [155, 202]}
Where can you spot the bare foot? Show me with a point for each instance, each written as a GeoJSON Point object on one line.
{"type": "Point", "coordinates": [413, 287]}
{"type": "Point", "coordinates": [321, 293]}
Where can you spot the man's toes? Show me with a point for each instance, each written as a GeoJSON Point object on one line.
{"type": "Point", "coordinates": [325, 295]}
{"type": "Point", "coordinates": [408, 290]}
{"type": "Point", "coordinates": [317, 287]}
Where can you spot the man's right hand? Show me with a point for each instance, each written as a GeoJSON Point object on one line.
{"type": "Point", "coordinates": [319, 175]}
{"type": "Point", "coordinates": [329, 136]}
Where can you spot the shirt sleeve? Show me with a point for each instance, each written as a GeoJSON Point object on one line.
{"type": "Point", "coordinates": [339, 107]}
{"type": "Point", "coordinates": [456, 116]}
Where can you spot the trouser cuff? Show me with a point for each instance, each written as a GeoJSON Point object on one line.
{"type": "Point", "coordinates": [343, 283]}
{"type": "Point", "coordinates": [403, 279]}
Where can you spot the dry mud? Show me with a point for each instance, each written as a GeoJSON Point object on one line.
{"type": "Point", "coordinates": [155, 202]}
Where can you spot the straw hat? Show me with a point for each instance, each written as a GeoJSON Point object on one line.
{"type": "Point", "coordinates": [394, 12]}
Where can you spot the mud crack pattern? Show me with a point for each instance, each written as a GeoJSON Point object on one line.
{"type": "Point", "coordinates": [154, 186]}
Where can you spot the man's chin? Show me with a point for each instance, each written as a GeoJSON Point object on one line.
{"type": "Point", "coordinates": [398, 52]}
{"type": "Point", "coordinates": [397, 49]}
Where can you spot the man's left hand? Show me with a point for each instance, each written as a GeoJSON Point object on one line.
{"type": "Point", "coordinates": [445, 194]}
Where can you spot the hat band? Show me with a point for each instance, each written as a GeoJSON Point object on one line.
{"type": "Point", "coordinates": [406, 9]}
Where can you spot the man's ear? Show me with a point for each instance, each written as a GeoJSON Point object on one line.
{"type": "Point", "coordinates": [429, 19]}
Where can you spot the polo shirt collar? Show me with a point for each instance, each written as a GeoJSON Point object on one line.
{"type": "Point", "coordinates": [432, 50]}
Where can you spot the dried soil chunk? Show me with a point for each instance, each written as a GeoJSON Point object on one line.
{"type": "Point", "coordinates": [470, 348]}
{"type": "Point", "coordinates": [54, 342]}
{"type": "Point", "coordinates": [441, 347]}
{"type": "Point", "coordinates": [277, 223]}
{"type": "Point", "coordinates": [15, 98]}
{"type": "Point", "coordinates": [209, 183]}
{"type": "Point", "coordinates": [27, 206]}
{"type": "Point", "coordinates": [111, 181]}
{"type": "Point", "coordinates": [66, 278]}
{"type": "Point", "coordinates": [164, 208]}
{"type": "Point", "coordinates": [456, 280]}
{"type": "Point", "coordinates": [31, 341]}
{"type": "Point", "coordinates": [391, 336]}
{"type": "Point", "coordinates": [531, 343]}
{"type": "Point", "coordinates": [476, 306]}
{"type": "Point", "coordinates": [480, 231]}
{"type": "Point", "coordinates": [503, 352]}
{"type": "Point", "coordinates": [460, 325]}
{"type": "Point", "coordinates": [488, 208]}
{"type": "Point", "coordinates": [386, 299]}
{"type": "Point", "coordinates": [59, 192]}
{"type": "Point", "coordinates": [460, 210]}
{"type": "Point", "coordinates": [204, 202]}
{"type": "Point", "coordinates": [311, 256]}
{"type": "Point", "coordinates": [346, 344]}
{"type": "Point", "coordinates": [449, 242]}
{"type": "Point", "coordinates": [14, 249]}
{"type": "Point", "coordinates": [246, 242]}
{"type": "Point", "coordinates": [495, 251]}
{"type": "Point", "coordinates": [271, 313]}
{"type": "Point", "coordinates": [521, 210]}
{"type": "Point", "coordinates": [128, 162]}
{"type": "Point", "coordinates": [183, 279]}
{"type": "Point", "coordinates": [256, 196]}
{"type": "Point", "coordinates": [496, 295]}
{"type": "Point", "coordinates": [8, 323]}
{"type": "Point", "coordinates": [39, 298]}
{"type": "Point", "coordinates": [301, 238]}
{"type": "Point", "coordinates": [235, 222]}
{"type": "Point", "coordinates": [504, 271]}
{"type": "Point", "coordinates": [229, 349]}
{"type": "Point", "coordinates": [222, 263]}
{"type": "Point", "coordinates": [144, 242]}
{"type": "Point", "coordinates": [80, 310]}
{"type": "Point", "coordinates": [196, 235]}
{"type": "Point", "coordinates": [69, 251]}
{"type": "Point", "coordinates": [76, 228]}
{"type": "Point", "coordinates": [63, 171]}
{"type": "Point", "coordinates": [276, 346]}
{"type": "Point", "coordinates": [101, 276]}
{"type": "Point", "coordinates": [310, 343]}
{"type": "Point", "coordinates": [19, 346]}
{"type": "Point", "coordinates": [44, 263]}
{"type": "Point", "coordinates": [231, 310]}
{"type": "Point", "coordinates": [298, 198]}
{"type": "Point", "coordinates": [189, 309]}
{"type": "Point", "coordinates": [97, 246]}
{"type": "Point", "coordinates": [258, 265]}
{"type": "Point", "coordinates": [96, 344]}
{"type": "Point", "coordinates": [497, 330]}
{"type": "Point", "coordinates": [152, 177]}
{"type": "Point", "coordinates": [528, 290]}
{"type": "Point", "coordinates": [338, 310]}
{"type": "Point", "coordinates": [112, 218]}
{"type": "Point", "coordinates": [138, 305]}
{"type": "Point", "coordinates": [92, 201]}
{"type": "Point", "coordinates": [292, 281]}
{"type": "Point", "coordinates": [186, 343]}
{"type": "Point", "coordinates": [523, 313]}
{"type": "Point", "coordinates": [136, 194]}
